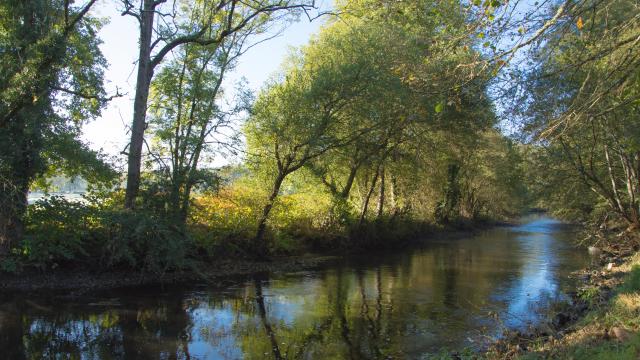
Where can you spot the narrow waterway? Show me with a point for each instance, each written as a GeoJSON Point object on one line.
{"type": "Point", "coordinates": [448, 294]}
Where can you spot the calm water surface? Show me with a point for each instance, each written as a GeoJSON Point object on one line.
{"type": "Point", "coordinates": [398, 306]}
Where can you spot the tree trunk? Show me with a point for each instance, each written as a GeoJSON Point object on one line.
{"type": "Point", "coordinates": [262, 223]}
{"type": "Point", "coordinates": [138, 125]}
{"type": "Point", "coordinates": [14, 184]}
{"type": "Point", "coordinates": [631, 181]}
{"type": "Point", "coordinates": [349, 184]}
{"type": "Point", "coordinates": [381, 195]}
{"type": "Point", "coordinates": [365, 206]}
{"type": "Point", "coordinates": [175, 203]}
{"type": "Point", "coordinates": [614, 187]}
{"type": "Point", "coordinates": [393, 196]}
{"type": "Point", "coordinates": [185, 202]}
{"type": "Point", "coordinates": [7, 230]}
{"type": "Point", "coordinates": [13, 205]}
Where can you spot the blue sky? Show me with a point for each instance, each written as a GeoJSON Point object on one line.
{"type": "Point", "coordinates": [120, 47]}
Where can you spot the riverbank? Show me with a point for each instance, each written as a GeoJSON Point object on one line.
{"type": "Point", "coordinates": [218, 273]}
{"type": "Point", "coordinates": [602, 320]}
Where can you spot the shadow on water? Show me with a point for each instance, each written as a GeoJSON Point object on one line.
{"type": "Point", "coordinates": [374, 307]}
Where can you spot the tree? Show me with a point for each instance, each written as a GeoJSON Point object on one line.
{"type": "Point", "coordinates": [392, 95]}
{"type": "Point", "coordinates": [187, 116]}
{"type": "Point", "coordinates": [583, 101]}
{"type": "Point", "coordinates": [421, 90]}
{"type": "Point", "coordinates": [207, 23]}
{"type": "Point", "coordinates": [295, 121]}
{"type": "Point", "coordinates": [52, 82]}
{"type": "Point", "coordinates": [35, 50]}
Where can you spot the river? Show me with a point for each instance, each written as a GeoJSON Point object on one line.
{"type": "Point", "coordinates": [447, 294]}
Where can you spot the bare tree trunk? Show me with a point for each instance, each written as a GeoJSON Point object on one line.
{"type": "Point", "coordinates": [138, 125]}
{"type": "Point", "coordinates": [349, 184]}
{"type": "Point", "coordinates": [393, 196]}
{"type": "Point", "coordinates": [381, 194]}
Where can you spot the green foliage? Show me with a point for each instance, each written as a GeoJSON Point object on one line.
{"type": "Point", "coordinates": [609, 351]}
{"type": "Point", "coordinates": [384, 233]}
{"type": "Point", "coordinates": [143, 241]}
{"type": "Point", "coordinates": [56, 233]}
{"type": "Point", "coordinates": [351, 110]}
{"type": "Point", "coordinates": [589, 294]}
{"type": "Point", "coordinates": [62, 233]}
{"type": "Point", "coordinates": [447, 210]}
{"type": "Point", "coordinates": [51, 73]}
{"type": "Point", "coordinates": [10, 265]}
{"type": "Point", "coordinates": [382, 118]}
{"type": "Point", "coordinates": [582, 98]}
{"type": "Point", "coordinates": [223, 223]}
{"type": "Point", "coordinates": [185, 116]}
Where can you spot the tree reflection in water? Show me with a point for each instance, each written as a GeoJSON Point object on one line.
{"type": "Point", "coordinates": [392, 306]}
{"type": "Point", "coordinates": [265, 322]}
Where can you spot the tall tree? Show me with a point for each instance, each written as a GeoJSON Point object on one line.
{"type": "Point", "coordinates": [52, 82]}
{"type": "Point", "coordinates": [200, 23]}
{"type": "Point", "coordinates": [295, 121]}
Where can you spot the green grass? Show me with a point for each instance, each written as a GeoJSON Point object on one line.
{"type": "Point", "coordinates": [608, 350]}
{"type": "Point", "coordinates": [632, 283]}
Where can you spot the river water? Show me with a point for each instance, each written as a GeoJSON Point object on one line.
{"type": "Point", "coordinates": [448, 294]}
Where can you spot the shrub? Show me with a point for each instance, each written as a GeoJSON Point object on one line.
{"type": "Point", "coordinates": [143, 241]}
{"type": "Point", "coordinates": [93, 234]}
{"type": "Point", "coordinates": [56, 233]}
{"type": "Point", "coordinates": [224, 223]}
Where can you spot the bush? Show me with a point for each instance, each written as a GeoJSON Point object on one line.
{"type": "Point", "coordinates": [224, 224]}
{"type": "Point", "coordinates": [57, 232]}
{"type": "Point", "coordinates": [66, 233]}
{"type": "Point", "coordinates": [385, 233]}
{"type": "Point", "coordinates": [143, 241]}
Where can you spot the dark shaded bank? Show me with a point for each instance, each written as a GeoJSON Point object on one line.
{"type": "Point", "coordinates": [221, 271]}
{"type": "Point", "coordinates": [227, 269]}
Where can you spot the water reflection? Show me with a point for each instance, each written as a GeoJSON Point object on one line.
{"type": "Point", "coordinates": [378, 307]}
